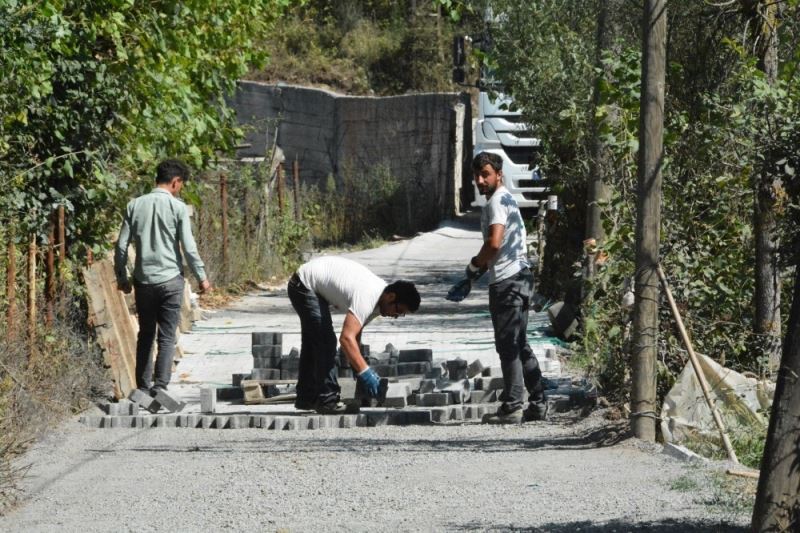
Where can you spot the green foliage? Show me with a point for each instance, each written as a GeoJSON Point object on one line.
{"type": "Point", "coordinates": [724, 125]}
{"type": "Point", "coordinates": [368, 205]}
{"type": "Point", "coordinates": [98, 92]}
{"type": "Point", "coordinates": [365, 46]}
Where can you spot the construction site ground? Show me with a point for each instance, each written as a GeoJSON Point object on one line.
{"type": "Point", "coordinates": [575, 472]}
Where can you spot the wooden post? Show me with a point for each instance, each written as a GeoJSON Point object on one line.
{"type": "Point", "coordinates": [648, 221]}
{"type": "Point", "coordinates": [62, 236]}
{"type": "Point", "coordinates": [223, 201]}
{"type": "Point", "coordinates": [50, 273]}
{"type": "Point", "coordinates": [280, 188]}
{"type": "Point", "coordinates": [32, 296]}
{"type": "Point", "coordinates": [11, 286]}
{"type": "Point", "coordinates": [296, 187]}
{"type": "Point", "coordinates": [540, 238]}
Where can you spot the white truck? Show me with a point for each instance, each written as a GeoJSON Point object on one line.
{"type": "Point", "coordinates": [499, 129]}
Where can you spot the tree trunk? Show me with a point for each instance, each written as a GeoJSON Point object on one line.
{"type": "Point", "coordinates": [599, 162]}
{"type": "Point", "coordinates": [11, 286]}
{"type": "Point", "coordinates": [763, 17]}
{"type": "Point", "coordinates": [777, 507]}
{"type": "Point", "coordinates": [648, 221]}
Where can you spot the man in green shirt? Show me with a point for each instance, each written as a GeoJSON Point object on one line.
{"type": "Point", "coordinates": [158, 226]}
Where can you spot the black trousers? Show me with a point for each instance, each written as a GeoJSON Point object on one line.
{"type": "Point", "coordinates": [509, 301]}
{"type": "Point", "coordinates": [159, 309]}
{"type": "Point", "coordinates": [317, 377]}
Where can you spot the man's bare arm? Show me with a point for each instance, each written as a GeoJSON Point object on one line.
{"type": "Point", "coordinates": [348, 340]}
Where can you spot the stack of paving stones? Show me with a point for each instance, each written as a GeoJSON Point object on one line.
{"type": "Point", "coordinates": [267, 348]}
{"type": "Point", "coordinates": [431, 391]}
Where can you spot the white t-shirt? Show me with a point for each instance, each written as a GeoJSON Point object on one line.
{"type": "Point", "coordinates": [512, 256]}
{"type": "Point", "coordinates": [345, 284]}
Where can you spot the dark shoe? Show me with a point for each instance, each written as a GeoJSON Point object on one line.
{"type": "Point", "coordinates": [504, 416]}
{"type": "Point", "coordinates": [536, 411]}
{"type": "Point", "coordinates": [304, 405]}
{"type": "Point", "coordinates": [331, 408]}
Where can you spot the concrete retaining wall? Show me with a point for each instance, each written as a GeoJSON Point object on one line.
{"type": "Point", "coordinates": [419, 138]}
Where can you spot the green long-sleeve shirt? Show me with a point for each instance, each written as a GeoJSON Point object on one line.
{"type": "Point", "coordinates": [158, 225]}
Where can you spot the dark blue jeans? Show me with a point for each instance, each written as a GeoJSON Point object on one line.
{"type": "Point", "coordinates": [159, 308]}
{"type": "Point", "coordinates": [509, 301]}
{"type": "Point", "coordinates": [317, 377]}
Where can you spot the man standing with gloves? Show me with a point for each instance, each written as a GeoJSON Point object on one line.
{"type": "Point", "coordinates": [356, 291]}
{"type": "Point", "coordinates": [504, 255]}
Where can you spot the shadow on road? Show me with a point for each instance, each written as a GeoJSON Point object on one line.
{"type": "Point", "coordinates": [295, 443]}
{"type": "Point", "coordinates": [614, 526]}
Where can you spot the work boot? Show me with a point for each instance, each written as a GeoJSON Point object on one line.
{"type": "Point", "coordinates": [504, 416]}
{"type": "Point", "coordinates": [536, 411]}
{"type": "Point", "coordinates": [331, 408]}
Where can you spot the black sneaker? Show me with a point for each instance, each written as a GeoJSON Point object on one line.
{"type": "Point", "coordinates": [536, 411]}
{"type": "Point", "coordinates": [331, 408]}
{"type": "Point", "coordinates": [504, 416]}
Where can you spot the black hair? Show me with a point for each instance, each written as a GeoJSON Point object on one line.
{"type": "Point", "coordinates": [486, 158]}
{"type": "Point", "coordinates": [406, 294]}
{"type": "Point", "coordinates": [169, 168]}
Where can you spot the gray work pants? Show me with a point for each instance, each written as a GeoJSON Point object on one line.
{"type": "Point", "coordinates": [509, 301]}
{"type": "Point", "coordinates": [159, 309]}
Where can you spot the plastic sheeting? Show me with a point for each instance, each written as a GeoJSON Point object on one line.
{"type": "Point", "coordinates": [685, 415]}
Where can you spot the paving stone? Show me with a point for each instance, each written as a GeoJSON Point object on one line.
{"type": "Point", "coordinates": [398, 402]}
{"type": "Point", "coordinates": [263, 421]}
{"type": "Point", "coordinates": [144, 400]}
{"type": "Point", "coordinates": [262, 351]}
{"type": "Point", "coordinates": [439, 415]}
{"type": "Point", "coordinates": [169, 402]}
{"type": "Point", "coordinates": [314, 422]}
{"type": "Point", "coordinates": [207, 421]}
{"type": "Point", "coordinates": [427, 385]}
{"type": "Point", "coordinates": [190, 421]}
{"type": "Point", "coordinates": [222, 422]}
{"type": "Point", "coordinates": [386, 370]}
{"type": "Point", "coordinates": [145, 421]}
{"type": "Point", "coordinates": [477, 396]}
{"type": "Point", "coordinates": [91, 421]}
{"type": "Point", "coordinates": [289, 374]}
{"type": "Point", "coordinates": [265, 373]}
{"type": "Point", "coordinates": [231, 393]}
{"type": "Point", "coordinates": [208, 399]}
{"type": "Point", "coordinates": [492, 372]}
{"type": "Point", "coordinates": [457, 369]}
{"type": "Point", "coordinates": [236, 379]}
{"type": "Point", "coordinates": [475, 368]}
{"type": "Point", "coordinates": [413, 369]}
{"type": "Point", "coordinates": [455, 414]}
{"type": "Point", "coordinates": [167, 421]}
{"type": "Point", "coordinates": [416, 356]}
{"type": "Point", "coordinates": [267, 362]}
{"type": "Point", "coordinates": [266, 337]}
{"type": "Point", "coordinates": [239, 421]}
{"type": "Point", "coordinates": [433, 399]}
{"type": "Point", "coordinates": [437, 371]}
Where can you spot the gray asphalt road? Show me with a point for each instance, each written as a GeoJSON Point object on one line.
{"type": "Point", "coordinates": [569, 474]}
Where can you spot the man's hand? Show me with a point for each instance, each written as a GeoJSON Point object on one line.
{"type": "Point", "coordinates": [205, 286]}
{"type": "Point", "coordinates": [125, 286]}
{"type": "Point", "coordinates": [370, 381]}
{"type": "Point", "coordinates": [459, 291]}
{"type": "Point", "coordinates": [473, 271]}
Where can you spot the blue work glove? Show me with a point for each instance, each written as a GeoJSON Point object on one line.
{"type": "Point", "coordinates": [459, 291]}
{"type": "Point", "coordinates": [472, 272]}
{"type": "Point", "coordinates": [370, 382]}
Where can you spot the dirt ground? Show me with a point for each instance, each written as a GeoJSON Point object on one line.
{"type": "Point", "coordinates": [567, 474]}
